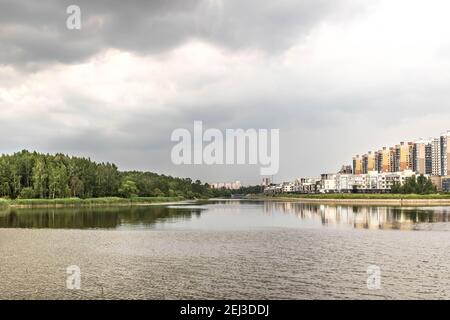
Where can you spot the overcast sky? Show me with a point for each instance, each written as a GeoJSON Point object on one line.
{"type": "Point", "coordinates": [337, 77]}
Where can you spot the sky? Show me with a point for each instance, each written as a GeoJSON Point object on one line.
{"type": "Point", "coordinates": [336, 77]}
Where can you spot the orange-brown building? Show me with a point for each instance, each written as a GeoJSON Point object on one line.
{"type": "Point", "coordinates": [383, 160]}
{"type": "Point", "coordinates": [357, 165]}
{"type": "Point", "coordinates": [403, 156]}
{"type": "Point", "coordinates": [368, 162]}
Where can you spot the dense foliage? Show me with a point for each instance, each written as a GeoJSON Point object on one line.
{"type": "Point", "coordinates": [29, 175]}
{"type": "Point", "coordinates": [249, 190]}
{"type": "Point", "coordinates": [413, 185]}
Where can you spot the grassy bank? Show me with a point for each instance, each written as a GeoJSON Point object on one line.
{"type": "Point", "coordinates": [366, 199]}
{"type": "Point", "coordinates": [75, 202]}
{"type": "Point", "coordinates": [365, 196]}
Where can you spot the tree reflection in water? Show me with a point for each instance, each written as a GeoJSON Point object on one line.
{"type": "Point", "coordinates": [90, 218]}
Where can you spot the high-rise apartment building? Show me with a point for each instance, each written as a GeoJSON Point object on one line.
{"type": "Point", "coordinates": [368, 162]}
{"type": "Point", "coordinates": [429, 158]}
{"type": "Point", "coordinates": [357, 165]}
{"type": "Point", "coordinates": [425, 156]}
{"type": "Point", "coordinates": [445, 153]}
{"type": "Point", "coordinates": [436, 157]}
{"type": "Point", "coordinates": [403, 158]}
{"type": "Point", "coordinates": [392, 159]}
{"type": "Point", "coordinates": [422, 157]}
{"type": "Point", "coordinates": [383, 160]}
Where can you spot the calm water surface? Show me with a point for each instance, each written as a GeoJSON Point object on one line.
{"type": "Point", "coordinates": [226, 250]}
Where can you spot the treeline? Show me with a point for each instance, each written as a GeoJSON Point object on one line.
{"type": "Point", "coordinates": [249, 190]}
{"type": "Point", "coordinates": [415, 185]}
{"type": "Point", "coordinates": [29, 175]}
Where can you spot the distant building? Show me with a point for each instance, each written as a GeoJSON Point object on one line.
{"type": "Point", "coordinates": [445, 154]}
{"type": "Point", "coordinates": [428, 157]}
{"type": "Point", "coordinates": [422, 157]}
{"type": "Point", "coordinates": [445, 184]}
{"type": "Point", "coordinates": [266, 182]}
{"type": "Point", "coordinates": [372, 182]}
{"type": "Point", "coordinates": [227, 185]}
{"type": "Point", "coordinates": [346, 170]}
{"type": "Point", "coordinates": [300, 185]}
{"type": "Point", "coordinates": [368, 162]}
{"type": "Point", "coordinates": [357, 165]}
{"type": "Point", "coordinates": [383, 160]}
{"type": "Point", "coordinates": [436, 167]}
{"type": "Point", "coordinates": [392, 159]}
{"type": "Point", "coordinates": [403, 157]}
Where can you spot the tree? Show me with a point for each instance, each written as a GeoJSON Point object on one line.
{"type": "Point", "coordinates": [39, 179]}
{"type": "Point", "coordinates": [157, 193]}
{"type": "Point", "coordinates": [59, 175]}
{"type": "Point", "coordinates": [27, 193]}
{"type": "Point", "coordinates": [413, 185]}
{"type": "Point", "coordinates": [128, 189]}
{"type": "Point", "coordinates": [58, 181]}
{"type": "Point", "coordinates": [76, 187]}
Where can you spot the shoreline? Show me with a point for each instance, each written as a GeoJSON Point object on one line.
{"type": "Point", "coordinates": [91, 202]}
{"type": "Point", "coordinates": [400, 202]}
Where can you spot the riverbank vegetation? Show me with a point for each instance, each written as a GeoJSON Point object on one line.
{"type": "Point", "coordinates": [89, 202]}
{"type": "Point", "coordinates": [350, 196]}
{"type": "Point", "coordinates": [31, 175]}
{"type": "Point", "coordinates": [413, 185]}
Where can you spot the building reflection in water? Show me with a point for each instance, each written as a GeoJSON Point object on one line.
{"type": "Point", "coordinates": [361, 217]}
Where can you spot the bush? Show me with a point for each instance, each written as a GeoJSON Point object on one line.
{"type": "Point", "coordinates": [27, 193]}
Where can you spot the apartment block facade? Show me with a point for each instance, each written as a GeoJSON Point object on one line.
{"type": "Point", "coordinates": [428, 157]}
{"type": "Point", "coordinates": [445, 154]}
{"type": "Point", "coordinates": [357, 165]}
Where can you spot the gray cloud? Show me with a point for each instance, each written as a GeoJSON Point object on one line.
{"type": "Point", "coordinates": [34, 34]}
{"type": "Point", "coordinates": [335, 77]}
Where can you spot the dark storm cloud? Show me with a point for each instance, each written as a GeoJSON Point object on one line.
{"type": "Point", "coordinates": [35, 33]}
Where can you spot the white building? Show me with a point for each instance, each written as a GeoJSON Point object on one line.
{"type": "Point", "coordinates": [236, 185]}
{"type": "Point", "coordinates": [436, 157]}
{"type": "Point", "coordinates": [373, 180]}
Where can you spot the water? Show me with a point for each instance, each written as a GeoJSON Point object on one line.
{"type": "Point", "coordinates": [226, 250]}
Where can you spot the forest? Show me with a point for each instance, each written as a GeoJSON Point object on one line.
{"type": "Point", "coordinates": [32, 175]}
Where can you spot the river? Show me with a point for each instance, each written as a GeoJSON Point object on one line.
{"type": "Point", "coordinates": [230, 249]}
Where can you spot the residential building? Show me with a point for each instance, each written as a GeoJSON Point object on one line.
{"type": "Point", "coordinates": [422, 157]}
{"type": "Point", "coordinates": [383, 160]}
{"type": "Point", "coordinates": [227, 185]}
{"type": "Point", "coordinates": [371, 182]}
{"type": "Point", "coordinates": [392, 159]}
{"type": "Point", "coordinates": [445, 154]}
{"type": "Point", "coordinates": [368, 162]}
{"type": "Point", "coordinates": [346, 170]}
{"type": "Point", "coordinates": [436, 164]}
{"type": "Point", "coordinates": [357, 165]}
{"type": "Point", "coordinates": [266, 182]}
{"type": "Point", "coordinates": [403, 158]}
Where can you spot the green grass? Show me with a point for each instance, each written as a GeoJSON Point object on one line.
{"type": "Point", "coordinates": [364, 196]}
{"type": "Point", "coordinates": [86, 202]}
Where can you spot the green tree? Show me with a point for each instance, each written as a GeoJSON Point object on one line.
{"type": "Point", "coordinates": [58, 181]}
{"type": "Point", "coordinates": [128, 189]}
{"type": "Point", "coordinates": [40, 179]}
{"type": "Point", "coordinates": [76, 187]}
{"type": "Point", "coordinates": [27, 193]}
{"type": "Point", "coordinates": [413, 185]}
